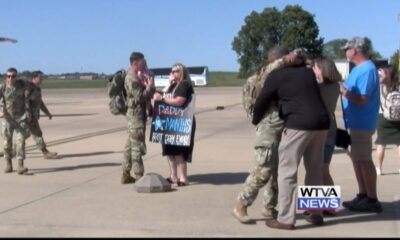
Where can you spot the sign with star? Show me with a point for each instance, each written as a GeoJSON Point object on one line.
{"type": "Point", "coordinates": [172, 125]}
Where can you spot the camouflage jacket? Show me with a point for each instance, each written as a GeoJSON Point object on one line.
{"type": "Point", "coordinates": [254, 84]}
{"type": "Point", "coordinates": [137, 96]}
{"type": "Point", "coordinates": [36, 103]}
{"type": "Point", "coordinates": [15, 100]}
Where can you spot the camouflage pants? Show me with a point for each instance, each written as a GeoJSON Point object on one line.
{"type": "Point", "coordinates": [37, 134]}
{"type": "Point", "coordinates": [268, 133]}
{"type": "Point", "coordinates": [135, 148]}
{"type": "Point", "coordinates": [20, 128]}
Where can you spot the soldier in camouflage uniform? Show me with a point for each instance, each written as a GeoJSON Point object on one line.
{"type": "Point", "coordinates": [14, 95]}
{"type": "Point", "coordinates": [268, 133]}
{"type": "Point", "coordinates": [37, 104]}
{"type": "Point", "coordinates": [139, 88]}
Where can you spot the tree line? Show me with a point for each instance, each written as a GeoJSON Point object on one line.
{"type": "Point", "coordinates": [292, 28]}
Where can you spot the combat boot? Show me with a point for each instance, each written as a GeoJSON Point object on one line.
{"type": "Point", "coordinates": [8, 166]}
{"type": "Point", "coordinates": [21, 169]}
{"type": "Point", "coordinates": [127, 178]}
{"type": "Point", "coordinates": [269, 212]}
{"type": "Point", "coordinates": [240, 213]}
{"type": "Point", "coordinates": [138, 176]}
{"type": "Point", "coordinates": [49, 155]}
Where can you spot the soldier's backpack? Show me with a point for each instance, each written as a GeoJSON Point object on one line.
{"type": "Point", "coordinates": [391, 109]}
{"type": "Point", "coordinates": [117, 93]}
{"type": "Point", "coordinates": [251, 89]}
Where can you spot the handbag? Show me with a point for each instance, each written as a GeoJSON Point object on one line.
{"type": "Point", "coordinates": [343, 139]}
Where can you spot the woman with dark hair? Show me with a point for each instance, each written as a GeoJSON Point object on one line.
{"type": "Point", "coordinates": [388, 132]}
{"type": "Point", "coordinates": [328, 78]}
{"type": "Point", "coordinates": [178, 93]}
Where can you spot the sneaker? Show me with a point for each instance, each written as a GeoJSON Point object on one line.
{"type": "Point", "coordinates": [378, 172]}
{"type": "Point", "coordinates": [317, 220]}
{"type": "Point", "coordinates": [330, 213]}
{"type": "Point", "coordinates": [324, 212]}
{"type": "Point", "coordinates": [355, 200]}
{"type": "Point", "coordinates": [366, 206]}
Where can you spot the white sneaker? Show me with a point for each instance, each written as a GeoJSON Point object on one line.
{"type": "Point", "coordinates": [378, 172]}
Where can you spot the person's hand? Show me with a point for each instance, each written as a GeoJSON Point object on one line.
{"type": "Point", "coordinates": [1, 114]}
{"type": "Point", "coordinates": [343, 89]}
{"type": "Point", "coordinates": [171, 78]}
{"type": "Point", "coordinates": [293, 59]}
{"type": "Point", "coordinates": [157, 96]}
{"type": "Point", "coordinates": [149, 81]}
{"type": "Point", "coordinates": [289, 58]}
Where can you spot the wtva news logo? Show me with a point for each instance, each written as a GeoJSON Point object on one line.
{"type": "Point", "coordinates": [318, 197]}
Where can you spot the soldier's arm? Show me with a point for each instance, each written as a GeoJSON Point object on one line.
{"type": "Point", "coordinates": [28, 94]}
{"type": "Point", "coordinates": [150, 88]}
{"type": "Point", "coordinates": [290, 59]}
{"type": "Point", "coordinates": [263, 100]}
{"type": "Point", "coordinates": [2, 86]}
{"type": "Point", "coordinates": [277, 64]}
{"type": "Point", "coordinates": [44, 109]}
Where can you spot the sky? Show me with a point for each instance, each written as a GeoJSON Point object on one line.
{"type": "Point", "coordinates": [60, 36]}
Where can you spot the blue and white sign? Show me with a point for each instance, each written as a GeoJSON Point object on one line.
{"type": "Point", "coordinates": [318, 197]}
{"type": "Point", "coordinates": [172, 125]}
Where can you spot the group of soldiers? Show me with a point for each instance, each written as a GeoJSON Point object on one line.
{"type": "Point", "coordinates": [22, 103]}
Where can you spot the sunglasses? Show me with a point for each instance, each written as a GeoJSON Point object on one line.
{"type": "Point", "coordinates": [11, 76]}
{"type": "Point", "coordinates": [175, 71]}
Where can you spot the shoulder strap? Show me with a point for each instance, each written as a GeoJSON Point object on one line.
{"type": "Point", "coordinates": [3, 99]}
{"type": "Point", "coordinates": [341, 103]}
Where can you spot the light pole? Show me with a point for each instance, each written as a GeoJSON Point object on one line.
{"type": "Point", "coordinates": [398, 51]}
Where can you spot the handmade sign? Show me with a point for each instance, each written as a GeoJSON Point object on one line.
{"type": "Point", "coordinates": [172, 125]}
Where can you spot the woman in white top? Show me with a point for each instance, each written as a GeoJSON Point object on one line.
{"type": "Point", "coordinates": [388, 132]}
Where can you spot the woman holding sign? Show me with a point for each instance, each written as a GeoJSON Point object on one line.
{"type": "Point", "coordinates": [179, 92]}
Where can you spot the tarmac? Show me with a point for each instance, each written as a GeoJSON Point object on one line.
{"type": "Point", "coordinates": [80, 194]}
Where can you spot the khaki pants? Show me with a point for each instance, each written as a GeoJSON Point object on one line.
{"type": "Point", "coordinates": [296, 144]}
{"type": "Point", "coordinates": [361, 145]}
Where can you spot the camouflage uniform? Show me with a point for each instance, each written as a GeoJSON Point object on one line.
{"type": "Point", "coordinates": [268, 133]}
{"type": "Point", "coordinates": [37, 104]}
{"type": "Point", "coordinates": [16, 112]}
{"type": "Point", "coordinates": [135, 147]}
